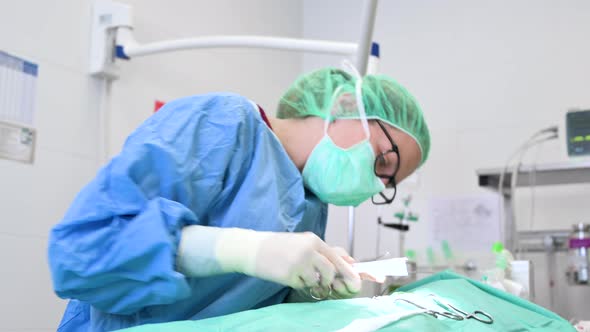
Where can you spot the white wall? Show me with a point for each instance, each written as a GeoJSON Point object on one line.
{"type": "Point", "coordinates": [35, 196]}
{"type": "Point", "coordinates": [54, 34]}
{"type": "Point", "coordinates": [261, 75]}
{"type": "Point", "coordinates": [488, 74]}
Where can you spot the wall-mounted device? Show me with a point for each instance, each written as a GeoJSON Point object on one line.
{"type": "Point", "coordinates": [577, 124]}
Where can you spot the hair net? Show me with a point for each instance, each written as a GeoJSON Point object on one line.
{"type": "Point", "coordinates": [313, 95]}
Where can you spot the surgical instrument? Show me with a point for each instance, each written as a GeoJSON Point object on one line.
{"type": "Point", "coordinates": [478, 315]}
{"type": "Point", "coordinates": [431, 312]}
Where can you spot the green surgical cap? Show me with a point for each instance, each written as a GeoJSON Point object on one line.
{"type": "Point", "coordinates": [313, 95]}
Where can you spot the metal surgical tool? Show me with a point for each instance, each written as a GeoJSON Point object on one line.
{"type": "Point", "coordinates": [478, 315]}
{"type": "Point", "coordinates": [430, 312]}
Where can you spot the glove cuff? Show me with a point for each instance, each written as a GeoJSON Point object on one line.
{"type": "Point", "coordinates": [236, 249]}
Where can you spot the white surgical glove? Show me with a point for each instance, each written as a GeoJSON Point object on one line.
{"type": "Point", "coordinates": [297, 260]}
{"type": "Point", "coordinates": [337, 290]}
{"type": "Point", "coordinates": [340, 290]}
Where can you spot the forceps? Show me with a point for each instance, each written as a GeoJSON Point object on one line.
{"type": "Point", "coordinates": [431, 312]}
{"type": "Point", "coordinates": [478, 315]}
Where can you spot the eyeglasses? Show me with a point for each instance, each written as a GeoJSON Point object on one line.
{"type": "Point", "coordinates": [386, 167]}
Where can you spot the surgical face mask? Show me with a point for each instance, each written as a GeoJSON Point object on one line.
{"type": "Point", "coordinates": [342, 176]}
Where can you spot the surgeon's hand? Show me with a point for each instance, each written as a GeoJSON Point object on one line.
{"type": "Point", "coordinates": [304, 260]}
{"type": "Point", "coordinates": [339, 288]}
{"type": "Point", "coordinates": [297, 260]}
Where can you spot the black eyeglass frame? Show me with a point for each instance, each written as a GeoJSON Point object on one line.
{"type": "Point", "coordinates": [391, 183]}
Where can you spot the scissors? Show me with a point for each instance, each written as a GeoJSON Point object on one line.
{"type": "Point", "coordinates": [478, 315]}
{"type": "Point", "coordinates": [320, 293]}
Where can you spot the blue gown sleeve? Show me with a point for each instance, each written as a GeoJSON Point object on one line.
{"type": "Point", "coordinates": [115, 248]}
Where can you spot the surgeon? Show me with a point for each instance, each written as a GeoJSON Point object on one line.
{"type": "Point", "coordinates": [212, 207]}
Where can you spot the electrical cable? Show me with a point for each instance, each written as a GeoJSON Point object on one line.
{"type": "Point", "coordinates": [533, 184]}
{"type": "Point", "coordinates": [531, 141]}
{"type": "Point", "coordinates": [514, 181]}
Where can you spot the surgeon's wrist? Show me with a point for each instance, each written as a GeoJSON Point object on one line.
{"type": "Point", "coordinates": [236, 249]}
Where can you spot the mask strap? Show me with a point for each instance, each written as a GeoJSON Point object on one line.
{"type": "Point", "coordinates": [359, 95]}
{"type": "Point", "coordinates": [361, 106]}
{"type": "Point", "coordinates": [328, 117]}
{"type": "Point", "coordinates": [351, 68]}
{"type": "Point", "coordinates": [359, 99]}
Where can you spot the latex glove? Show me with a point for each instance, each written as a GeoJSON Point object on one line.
{"type": "Point", "coordinates": [337, 290]}
{"type": "Point", "coordinates": [340, 290]}
{"type": "Point", "coordinates": [297, 260]}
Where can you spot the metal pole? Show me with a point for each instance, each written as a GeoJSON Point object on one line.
{"type": "Point", "coordinates": [351, 231]}
{"type": "Point", "coordinates": [366, 37]}
{"type": "Point", "coordinates": [362, 57]}
{"type": "Point", "coordinates": [132, 49]}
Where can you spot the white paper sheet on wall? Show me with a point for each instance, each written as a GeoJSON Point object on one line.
{"type": "Point", "coordinates": [467, 222]}
{"type": "Point", "coordinates": [18, 84]}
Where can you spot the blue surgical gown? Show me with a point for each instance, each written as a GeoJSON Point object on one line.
{"type": "Point", "coordinates": [204, 160]}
